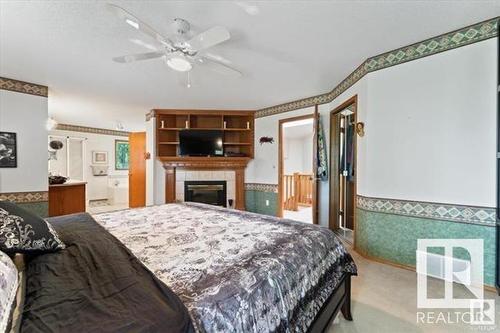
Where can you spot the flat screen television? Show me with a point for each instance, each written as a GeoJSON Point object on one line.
{"type": "Point", "coordinates": [201, 143]}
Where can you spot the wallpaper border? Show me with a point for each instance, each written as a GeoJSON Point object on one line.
{"type": "Point", "coordinates": [23, 87]}
{"type": "Point", "coordinates": [448, 41]}
{"type": "Point", "coordinates": [261, 187]}
{"type": "Point", "coordinates": [94, 130]}
{"type": "Point", "coordinates": [429, 210]}
{"type": "Point", "coordinates": [25, 197]}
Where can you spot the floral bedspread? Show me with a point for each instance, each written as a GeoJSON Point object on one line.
{"type": "Point", "coordinates": [235, 271]}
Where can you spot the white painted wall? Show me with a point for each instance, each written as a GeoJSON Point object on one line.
{"type": "Point", "coordinates": [431, 129]}
{"type": "Point", "coordinates": [97, 186]}
{"type": "Point", "coordinates": [297, 155]}
{"type": "Point", "coordinates": [25, 115]}
{"type": "Point", "coordinates": [264, 167]}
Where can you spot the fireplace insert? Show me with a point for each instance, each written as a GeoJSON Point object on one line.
{"type": "Point", "coordinates": [209, 192]}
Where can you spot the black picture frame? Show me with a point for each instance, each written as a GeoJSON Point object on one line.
{"type": "Point", "coordinates": [8, 150]}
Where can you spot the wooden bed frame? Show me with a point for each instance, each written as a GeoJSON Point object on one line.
{"type": "Point", "coordinates": [339, 300]}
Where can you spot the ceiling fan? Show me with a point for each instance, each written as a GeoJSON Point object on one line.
{"type": "Point", "coordinates": [180, 52]}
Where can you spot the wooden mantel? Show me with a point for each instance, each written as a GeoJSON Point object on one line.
{"type": "Point", "coordinates": [236, 164]}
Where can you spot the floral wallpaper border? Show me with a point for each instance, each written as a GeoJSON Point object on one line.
{"type": "Point", "coordinates": [94, 130]}
{"type": "Point", "coordinates": [23, 197]}
{"type": "Point", "coordinates": [23, 87]}
{"type": "Point", "coordinates": [429, 210]}
{"type": "Point", "coordinates": [451, 40]}
{"type": "Point", "coordinates": [261, 187]}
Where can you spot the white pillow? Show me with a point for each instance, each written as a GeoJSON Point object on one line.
{"type": "Point", "coordinates": [9, 283]}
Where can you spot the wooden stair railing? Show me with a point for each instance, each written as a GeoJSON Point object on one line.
{"type": "Point", "coordinates": [297, 190]}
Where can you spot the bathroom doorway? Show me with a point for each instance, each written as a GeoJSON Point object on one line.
{"type": "Point", "coordinates": [343, 169]}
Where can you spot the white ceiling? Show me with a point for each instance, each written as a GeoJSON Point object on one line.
{"type": "Point", "coordinates": [289, 50]}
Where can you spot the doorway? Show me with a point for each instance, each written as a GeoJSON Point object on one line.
{"type": "Point", "coordinates": [297, 172]}
{"type": "Point", "coordinates": [137, 169]}
{"type": "Point", "coordinates": [343, 169]}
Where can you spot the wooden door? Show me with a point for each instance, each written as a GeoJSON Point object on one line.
{"type": "Point", "coordinates": [315, 167]}
{"type": "Point", "coordinates": [137, 170]}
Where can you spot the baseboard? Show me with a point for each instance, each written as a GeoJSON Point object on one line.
{"type": "Point", "coordinates": [403, 266]}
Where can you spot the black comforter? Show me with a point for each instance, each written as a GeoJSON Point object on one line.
{"type": "Point", "coordinates": [96, 285]}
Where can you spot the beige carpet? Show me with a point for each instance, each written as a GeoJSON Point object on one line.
{"type": "Point", "coordinates": [385, 300]}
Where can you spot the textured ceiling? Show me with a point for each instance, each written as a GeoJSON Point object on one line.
{"type": "Point", "coordinates": [288, 50]}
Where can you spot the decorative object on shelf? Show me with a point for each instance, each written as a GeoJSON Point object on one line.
{"type": "Point", "coordinates": [8, 150]}
{"type": "Point", "coordinates": [99, 170]}
{"type": "Point", "coordinates": [225, 124]}
{"type": "Point", "coordinates": [162, 124]}
{"type": "Point", "coordinates": [57, 180]}
{"type": "Point", "coordinates": [187, 123]}
{"type": "Point", "coordinates": [248, 125]}
{"type": "Point", "coordinates": [266, 139]}
{"type": "Point", "coordinates": [99, 157]}
{"type": "Point", "coordinates": [122, 154]}
{"type": "Point", "coordinates": [360, 129]}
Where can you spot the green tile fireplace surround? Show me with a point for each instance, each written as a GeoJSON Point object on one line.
{"type": "Point", "coordinates": [392, 237]}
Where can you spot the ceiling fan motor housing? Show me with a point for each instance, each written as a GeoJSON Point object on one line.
{"type": "Point", "coordinates": [181, 26]}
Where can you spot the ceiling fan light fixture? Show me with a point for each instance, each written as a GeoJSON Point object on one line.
{"type": "Point", "coordinates": [179, 64]}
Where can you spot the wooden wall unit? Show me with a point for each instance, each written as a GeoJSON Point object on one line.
{"type": "Point", "coordinates": [238, 129]}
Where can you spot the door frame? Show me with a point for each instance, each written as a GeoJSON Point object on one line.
{"type": "Point", "coordinates": [334, 152]}
{"type": "Point", "coordinates": [313, 116]}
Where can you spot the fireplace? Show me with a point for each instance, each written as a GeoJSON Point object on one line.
{"type": "Point", "coordinates": [209, 192]}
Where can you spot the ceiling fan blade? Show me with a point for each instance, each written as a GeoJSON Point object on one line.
{"type": "Point", "coordinates": [218, 67]}
{"type": "Point", "coordinates": [139, 25]}
{"type": "Point", "coordinates": [209, 38]}
{"type": "Point", "coordinates": [143, 44]}
{"type": "Point", "coordinates": [137, 57]}
{"type": "Point", "coordinates": [217, 58]}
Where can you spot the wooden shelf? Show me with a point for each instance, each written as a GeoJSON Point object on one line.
{"type": "Point", "coordinates": [172, 129]}
{"type": "Point", "coordinates": [238, 134]}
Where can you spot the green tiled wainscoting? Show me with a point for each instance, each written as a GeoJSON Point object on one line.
{"type": "Point", "coordinates": [394, 237]}
{"type": "Point", "coordinates": [36, 202]}
{"type": "Point", "coordinates": [39, 208]}
{"type": "Point", "coordinates": [255, 201]}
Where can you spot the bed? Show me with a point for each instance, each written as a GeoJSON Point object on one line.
{"type": "Point", "coordinates": [196, 267]}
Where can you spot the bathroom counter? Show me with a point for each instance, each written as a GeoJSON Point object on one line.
{"type": "Point", "coordinates": [70, 183]}
{"type": "Point", "coordinates": [67, 198]}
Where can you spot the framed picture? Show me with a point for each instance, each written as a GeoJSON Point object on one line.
{"type": "Point", "coordinates": [99, 157]}
{"type": "Point", "coordinates": [8, 150]}
{"type": "Point", "coordinates": [122, 154]}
